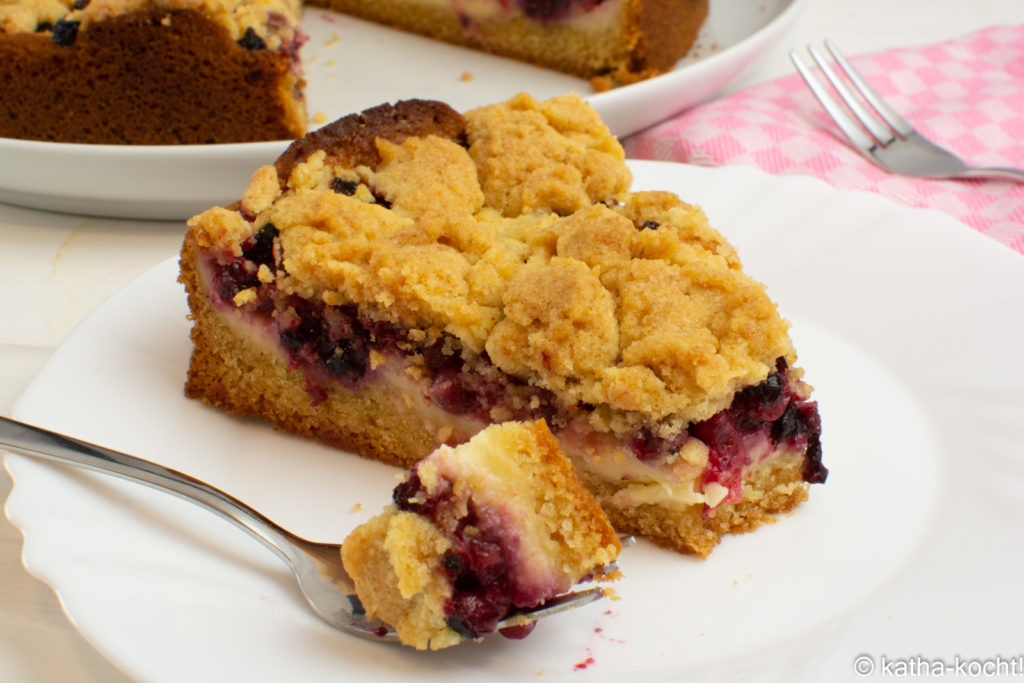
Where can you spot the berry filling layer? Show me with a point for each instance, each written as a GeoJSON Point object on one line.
{"type": "Point", "coordinates": [702, 462]}
{"type": "Point", "coordinates": [481, 564]}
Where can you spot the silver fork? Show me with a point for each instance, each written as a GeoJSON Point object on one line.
{"type": "Point", "coordinates": [317, 566]}
{"type": "Point", "coordinates": [878, 132]}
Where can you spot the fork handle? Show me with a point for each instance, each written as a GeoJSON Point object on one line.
{"type": "Point", "coordinates": [42, 443]}
{"type": "Point", "coordinates": [995, 173]}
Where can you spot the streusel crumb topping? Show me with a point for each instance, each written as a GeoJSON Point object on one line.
{"type": "Point", "coordinates": [529, 246]}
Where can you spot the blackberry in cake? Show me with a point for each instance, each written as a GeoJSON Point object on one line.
{"type": "Point", "coordinates": [611, 42]}
{"type": "Point", "coordinates": [407, 276]}
{"type": "Point", "coordinates": [150, 71]}
{"type": "Point", "coordinates": [476, 533]}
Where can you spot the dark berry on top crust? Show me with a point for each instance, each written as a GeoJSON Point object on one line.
{"type": "Point", "coordinates": [650, 225]}
{"type": "Point", "coordinates": [345, 187]}
{"type": "Point", "coordinates": [44, 26]}
{"type": "Point", "coordinates": [65, 32]}
{"type": "Point", "coordinates": [250, 40]}
{"type": "Point", "coordinates": [261, 249]}
{"type": "Point", "coordinates": [80, 4]}
{"type": "Point", "coordinates": [241, 273]}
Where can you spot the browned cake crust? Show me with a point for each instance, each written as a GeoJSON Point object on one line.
{"type": "Point", "coordinates": [146, 77]}
{"type": "Point", "coordinates": [647, 37]}
{"type": "Point", "coordinates": [771, 489]}
{"type": "Point", "coordinates": [666, 31]}
{"type": "Point", "coordinates": [247, 379]}
{"type": "Point", "coordinates": [350, 141]}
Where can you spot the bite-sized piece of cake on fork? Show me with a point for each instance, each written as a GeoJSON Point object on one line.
{"type": "Point", "coordinates": [405, 277]}
{"type": "Point", "coordinates": [476, 533]}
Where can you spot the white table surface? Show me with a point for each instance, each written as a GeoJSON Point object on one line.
{"type": "Point", "coordinates": [55, 269]}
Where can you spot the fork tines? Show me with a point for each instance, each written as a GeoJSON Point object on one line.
{"type": "Point", "coordinates": [880, 133]}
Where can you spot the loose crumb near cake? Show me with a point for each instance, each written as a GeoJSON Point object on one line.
{"type": "Point", "coordinates": [405, 277]}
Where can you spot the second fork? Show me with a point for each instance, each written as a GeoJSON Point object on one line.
{"type": "Point", "coordinates": [877, 131]}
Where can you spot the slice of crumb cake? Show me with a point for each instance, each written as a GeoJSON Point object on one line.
{"type": "Point", "coordinates": [407, 276]}
{"type": "Point", "coordinates": [476, 532]}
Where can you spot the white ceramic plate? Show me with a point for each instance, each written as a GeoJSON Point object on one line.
{"type": "Point", "coordinates": [908, 324]}
{"type": "Point", "coordinates": [161, 182]}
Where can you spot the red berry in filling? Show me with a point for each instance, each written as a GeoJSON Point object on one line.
{"type": "Point", "coordinates": [476, 562]}
{"type": "Point", "coordinates": [448, 392]}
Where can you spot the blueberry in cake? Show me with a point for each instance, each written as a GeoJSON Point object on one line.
{"type": "Point", "coordinates": [150, 71]}
{"type": "Point", "coordinates": [477, 532]}
{"type": "Point", "coordinates": [405, 277]}
{"type": "Point", "coordinates": [611, 42]}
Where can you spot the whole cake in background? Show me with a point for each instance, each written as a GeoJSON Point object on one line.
{"type": "Point", "coordinates": [476, 533]}
{"type": "Point", "coordinates": [216, 71]}
{"type": "Point", "coordinates": [611, 42]}
{"type": "Point", "coordinates": [405, 277]}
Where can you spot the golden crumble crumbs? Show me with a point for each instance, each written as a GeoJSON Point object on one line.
{"type": "Point", "coordinates": [528, 244]}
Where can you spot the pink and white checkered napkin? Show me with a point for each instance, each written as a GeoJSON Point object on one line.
{"type": "Point", "coordinates": [965, 94]}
